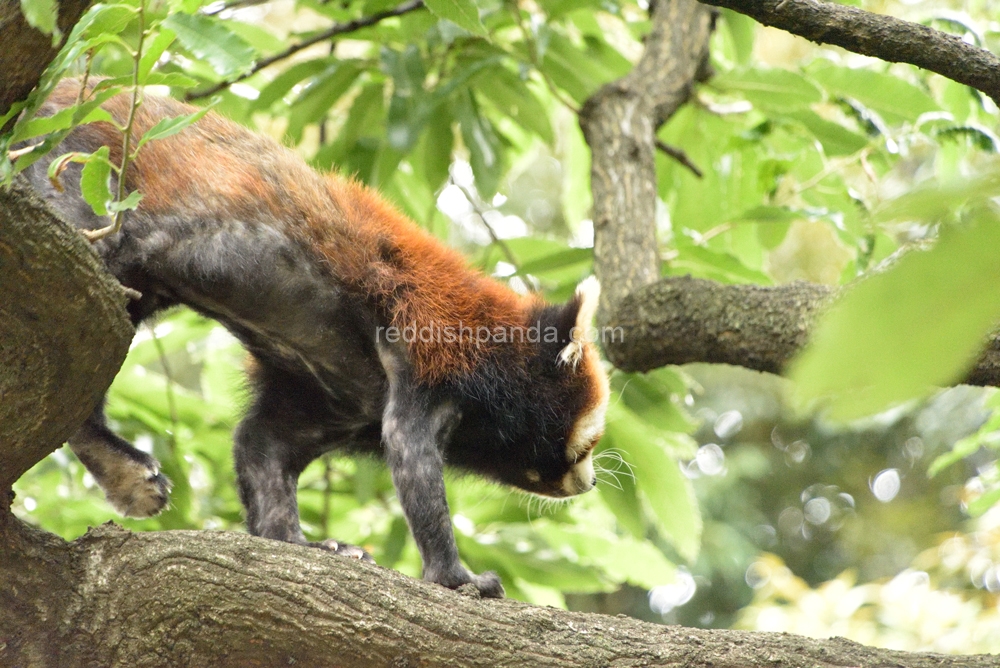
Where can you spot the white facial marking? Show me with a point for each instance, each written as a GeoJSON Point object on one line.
{"type": "Point", "coordinates": [532, 475]}
{"type": "Point", "coordinates": [588, 427]}
{"type": "Point", "coordinates": [580, 477]}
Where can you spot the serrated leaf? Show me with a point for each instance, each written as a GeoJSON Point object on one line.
{"type": "Point", "coordinates": [913, 327]}
{"type": "Point", "coordinates": [127, 204]}
{"type": "Point", "coordinates": [463, 13]}
{"type": "Point", "coordinates": [95, 181]}
{"type": "Point", "coordinates": [152, 50]}
{"type": "Point", "coordinates": [213, 41]}
{"type": "Point", "coordinates": [167, 127]}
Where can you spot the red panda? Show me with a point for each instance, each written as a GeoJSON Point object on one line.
{"type": "Point", "coordinates": [367, 334]}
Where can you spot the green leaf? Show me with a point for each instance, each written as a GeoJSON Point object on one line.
{"type": "Point", "coordinates": [43, 15]}
{"type": "Point", "coordinates": [152, 50]}
{"type": "Point", "coordinates": [659, 478]}
{"type": "Point", "coordinates": [211, 40]}
{"type": "Point", "coordinates": [167, 127]}
{"type": "Point", "coordinates": [314, 103]}
{"type": "Point", "coordinates": [127, 204]}
{"type": "Point", "coordinates": [287, 80]}
{"type": "Point", "coordinates": [742, 30]}
{"type": "Point", "coordinates": [485, 150]}
{"type": "Point", "coordinates": [512, 96]}
{"type": "Point", "coordinates": [894, 98]}
{"type": "Point", "coordinates": [463, 13]}
{"type": "Point", "coordinates": [835, 138]}
{"type": "Point", "coordinates": [776, 89]}
{"type": "Point", "coordinates": [918, 325]}
{"type": "Point", "coordinates": [984, 502]}
{"type": "Point", "coordinates": [95, 181]}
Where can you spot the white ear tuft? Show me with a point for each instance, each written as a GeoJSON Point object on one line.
{"type": "Point", "coordinates": [588, 294]}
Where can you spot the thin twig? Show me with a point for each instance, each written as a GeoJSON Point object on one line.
{"type": "Point", "coordinates": [218, 8]}
{"type": "Point", "coordinates": [680, 156]}
{"type": "Point", "coordinates": [476, 203]}
{"type": "Point", "coordinates": [532, 47]}
{"type": "Point", "coordinates": [116, 220]}
{"type": "Point", "coordinates": [337, 29]}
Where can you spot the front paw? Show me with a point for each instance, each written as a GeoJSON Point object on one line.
{"type": "Point", "coordinates": [136, 488]}
{"type": "Point", "coordinates": [488, 584]}
{"type": "Point", "coordinates": [344, 550]}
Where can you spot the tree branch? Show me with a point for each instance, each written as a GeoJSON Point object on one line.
{"type": "Point", "coordinates": [224, 599]}
{"type": "Point", "coordinates": [884, 37]}
{"type": "Point", "coordinates": [334, 31]}
{"type": "Point", "coordinates": [619, 123]}
{"type": "Point", "coordinates": [681, 320]}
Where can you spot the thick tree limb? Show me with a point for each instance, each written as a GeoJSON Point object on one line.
{"type": "Point", "coordinates": [64, 332]}
{"type": "Point", "coordinates": [23, 59]}
{"type": "Point", "coordinates": [619, 123]}
{"type": "Point", "coordinates": [681, 320]}
{"type": "Point", "coordinates": [189, 598]}
{"type": "Point", "coordinates": [884, 37]}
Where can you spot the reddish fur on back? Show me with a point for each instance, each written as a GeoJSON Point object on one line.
{"type": "Point", "coordinates": [218, 168]}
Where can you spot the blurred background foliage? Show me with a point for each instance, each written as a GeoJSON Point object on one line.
{"type": "Point", "coordinates": [721, 502]}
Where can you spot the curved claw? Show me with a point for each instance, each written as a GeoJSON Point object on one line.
{"type": "Point", "coordinates": [344, 550]}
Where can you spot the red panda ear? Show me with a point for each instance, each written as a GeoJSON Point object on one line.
{"type": "Point", "coordinates": [587, 295]}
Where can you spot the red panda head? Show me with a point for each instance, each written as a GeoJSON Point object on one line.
{"type": "Point", "coordinates": [553, 413]}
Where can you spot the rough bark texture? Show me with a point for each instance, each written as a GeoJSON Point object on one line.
{"type": "Point", "coordinates": [619, 123]}
{"type": "Point", "coordinates": [884, 37]}
{"type": "Point", "coordinates": [682, 320]}
{"type": "Point", "coordinates": [188, 598]}
{"type": "Point", "coordinates": [64, 331]}
{"type": "Point", "coordinates": [23, 59]}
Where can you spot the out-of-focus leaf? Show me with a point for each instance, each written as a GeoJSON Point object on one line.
{"type": "Point", "coordinates": [213, 41]}
{"type": "Point", "coordinates": [282, 84]}
{"type": "Point", "coordinates": [460, 12]}
{"type": "Point", "coordinates": [659, 477]}
{"type": "Point", "coordinates": [742, 30]}
{"type": "Point", "coordinates": [895, 99]}
{"type": "Point", "coordinates": [42, 15]}
{"type": "Point", "coordinates": [770, 88]}
{"type": "Point", "coordinates": [485, 149]}
{"type": "Point", "coordinates": [835, 138]}
{"type": "Point", "coordinates": [314, 103]}
{"type": "Point", "coordinates": [918, 325]}
{"type": "Point", "coordinates": [512, 96]}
